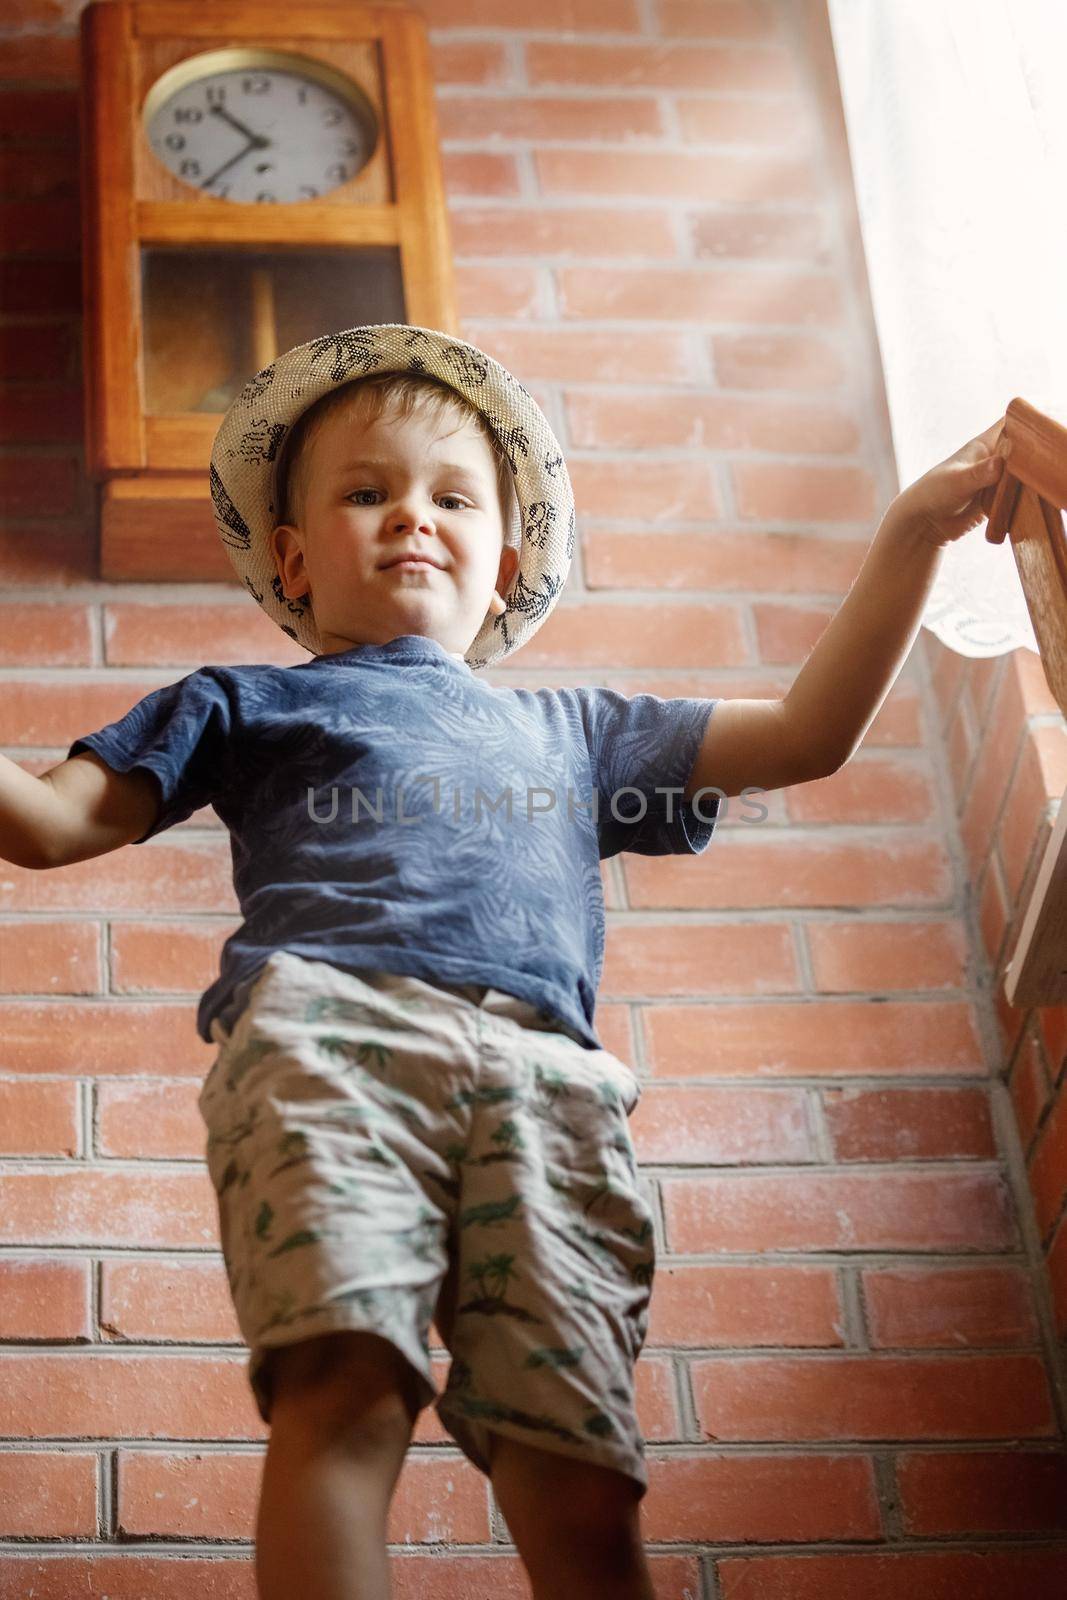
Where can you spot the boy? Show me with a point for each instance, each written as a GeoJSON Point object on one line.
{"type": "Point", "coordinates": [410, 1115]}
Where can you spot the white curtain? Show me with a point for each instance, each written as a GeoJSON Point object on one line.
{"type": "Point", "coordinates": [956, 113]}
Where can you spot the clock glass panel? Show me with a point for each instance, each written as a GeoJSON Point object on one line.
{"type": "Point", "coordinates": [213, 317]}
{"type": "Point", "coordinates": [259, 134]}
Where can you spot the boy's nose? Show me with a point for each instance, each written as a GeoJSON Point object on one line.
{"type": "Point", "coordinates": [412, 514]}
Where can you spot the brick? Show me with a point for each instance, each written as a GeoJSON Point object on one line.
{"type": "Point", "coordinates": [983, 1574]}
{"type": "Point", "coordinates": [868, 793]}
{"type": "Point", "coordinates": [173, 635]}
{"type": "Point", "coordinates": [166, 957]}
{"type": "Point", "coordinates": [996, 757]}
{"type": "Point", "coordinates": [882, 956]}
{"type": "Point", "coordinates": [962, 741]}
{"type": "Point", "coordinates": [909, 1124]}
{"type": "Point", "coordinates": [48, 115]}
{"type": "Point", "coordinates": [1038, 784]}
{"type": "Point", "coordinates": [983, 1491]}
{"type": "Point", "coordinates": [760, 234]}
{"type": "Point", "coordinates": [39, 1119]}
{"type": "Point", "coordinates": [771, 120]}
{"type": "Point", "coordinates": [47, 635]}
{"type": "Point", "coordinates": [576, 231]}
{"type": "Point", "coordinates": [717, 19]}
{"type": "Point", "coordinates": [143, 1209]}
{"type": "Point", "coordinates": [40, 226]}
{"type": "Point", "coordinates": [668, 65]}
{"type": "Point", "coordinates": [117, 1038]}
{"type": "Point", "coordinates": [808, 1039]}
{"type": "Point", "coordinates": [38, 485]}
{"type": "Point", "coordinates": [474, 61]}
{"type": "Point", "coordinates": [720, 1127]}
{"type": "Point", "coordinates": [710, 422]}
{"type": "Point", "coordinates": [149, 1119]}
{"type": "Point", "coordinates": [760, 1499]}
{"type": "Point", "coordinates": [720, 176]}
{"type": "Point", "coordinates": [992, 914]}
{"type": "Point", "coordinates": [1057, 1271]}
{"type": "Point", "coordinates": [476, 172]}
{"type": "Point", "coordinates": [47, 1495]}
{"type": "Point", "coordinates": [618, 558]}
{"type": "Point", "coordinates": [688, 960]}
{"type": "Point", "coordinates": [744, 1306]}
{"type": "Point", "coordinates": [838, 1210]}
{"type": "Point", "coordinates": [1048, 1167]}
{"type": "Point", "coordinates": [40, 58]}
{"type": "Point", "coordinates": [33, 553]}
{"type": "Point", "coordinates": [585, 354]}
{"type": "Point", "coordinates": [58, 712]}
{"type": "Point", "coordinates": [49, 957]}
{"type": "Point", "coordinates": [30, 349]}
{"type": "Point", "coordinates": [49, 287]}
{"type": "Point", "coordinates": [805, 361]}
{"type": "Point", "coordinates": [150, 1299]}
{"type": "Point", "coordinates": [132, 1575]}
{"type": "Point", "coordinates": [762, 870]}
{"type": "Point", "coordinates": [1031, 1090]}
{"type": "Point", "coordinates": [1052, 1026]}
{"type": "Point", "coordinates": [178, 1495]}
{"type": "Point", "coordinates": [182, 877]}
{"type": "Point", "coordinates": [29, 172]}
{"type": "Point", "coordinates": [648, 489]}
{"type": "Point", "coordinates": [947, 674]}
{"type": "Point", "coordinates": [872, 1397]}
{"type": "Point", "coordinates": [491, 291]}
{"type": "Point", "coordinates": [769, 491]}
{"type": "Point", "coordinates": [543, 118]}
{"type": "Point", "coordinates": [591, 16]}
{"type": "Point", "coordinates": [594, 635]}
{"type": "Point", "coordinates": [949, 1307]}
{"type": "Point", "coordinates": [729, 295]}
{"type": "Point", "coordinates": [44, 1297]}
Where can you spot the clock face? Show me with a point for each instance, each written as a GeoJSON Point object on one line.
{"type": "Point", "coordinates": [259, 132]}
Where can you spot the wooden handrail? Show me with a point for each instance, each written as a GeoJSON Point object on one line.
{"type": "Point", "coordinates": [1028, 507]}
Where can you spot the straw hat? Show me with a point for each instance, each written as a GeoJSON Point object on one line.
{"type": "Point", "coordinates": [250, 436]}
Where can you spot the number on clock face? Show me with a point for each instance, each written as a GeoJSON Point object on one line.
{"type": "Point", "coordinates": [260, 135]}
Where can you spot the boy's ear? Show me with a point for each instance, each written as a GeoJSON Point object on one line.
{"type": "Point", "coordinates": [289, 560]}
{"type": "Point", "coordinates": [509, 563]}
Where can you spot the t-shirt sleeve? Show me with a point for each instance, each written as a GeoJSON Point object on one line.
{"type": "Point", "coordinates": [179, 732]}
{"type": "Point", "coordinates": [641, 752]}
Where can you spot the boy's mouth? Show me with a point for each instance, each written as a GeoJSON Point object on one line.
{"type": "Point", "coordinates": [409, 561]}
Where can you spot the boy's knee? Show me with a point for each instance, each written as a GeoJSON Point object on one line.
{"type": "Point", "coordinates": [347, 1384]}
{"type": "Point", "coordinates": [569, 1498]}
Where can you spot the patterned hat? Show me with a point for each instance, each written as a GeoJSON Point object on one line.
{"type": "Point", "coordinates": [249, 440]}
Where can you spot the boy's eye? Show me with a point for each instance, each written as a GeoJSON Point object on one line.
{"type": "Point", "coordinates": [356, 492]}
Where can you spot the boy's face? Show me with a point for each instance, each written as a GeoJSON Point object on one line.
{"type": "Point", "coordinates": [431, 492]}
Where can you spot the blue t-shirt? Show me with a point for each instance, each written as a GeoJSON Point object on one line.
{"type": "Point", "coordinates": [366, 797]}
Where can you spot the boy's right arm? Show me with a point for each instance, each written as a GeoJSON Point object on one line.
{"type": "Point", "coordinates": [80, 809]}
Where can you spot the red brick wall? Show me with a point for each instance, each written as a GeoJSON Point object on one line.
{"type": "Point", "coordinates": [1006, 747]}
{"type": "Point", "coordinates": [849, 1375]}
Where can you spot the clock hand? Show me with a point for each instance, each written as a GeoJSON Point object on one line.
{"type": "Point", "coordinates": [227, 164]}
{"type": "Point", "coordinates": [257, 138]}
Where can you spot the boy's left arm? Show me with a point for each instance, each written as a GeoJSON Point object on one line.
{"type": "Point", "coordinates": [820, 723]}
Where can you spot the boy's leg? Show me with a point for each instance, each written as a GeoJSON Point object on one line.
{"type": "Point", "coordinates": [341, 1417]}
{"type": "Point", "coordinates": [575, 1525]}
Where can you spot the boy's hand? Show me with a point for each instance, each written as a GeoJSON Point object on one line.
{"type": "Point", "coordinates": [953, 497]}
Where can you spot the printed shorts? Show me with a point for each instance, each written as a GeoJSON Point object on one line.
{"type": "Point", "coordinates": [386, 1152]}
